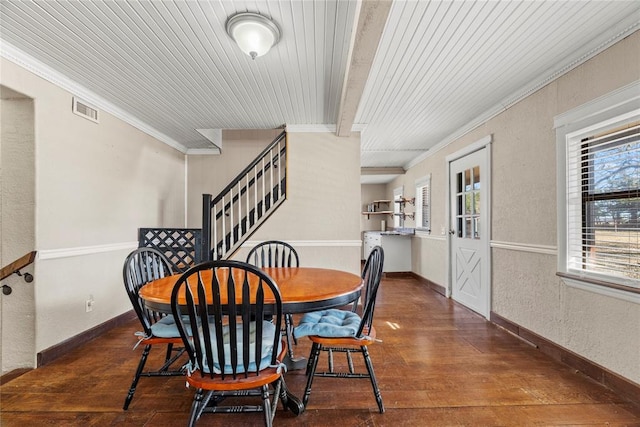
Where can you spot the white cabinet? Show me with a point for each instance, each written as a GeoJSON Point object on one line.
{"type": "Point", "coordinates": [397, 249]}
{"type": "Point", "coordinates": [371, 239]}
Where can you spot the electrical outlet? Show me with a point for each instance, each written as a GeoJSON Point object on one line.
{"type": "Point", "coordinates": [88, 304]}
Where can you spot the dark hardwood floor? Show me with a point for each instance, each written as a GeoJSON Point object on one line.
{"type": "Point", "coordinates": [439, 365]}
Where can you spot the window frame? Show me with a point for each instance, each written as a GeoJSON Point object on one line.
{"type": "Point", "coordinates": [420, 204]}
{"type": "Point", "coordinates": [611, 111]}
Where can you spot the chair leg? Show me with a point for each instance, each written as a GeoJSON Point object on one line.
{"type": "Point", "coordinates": [310, 360]}
{"type": "Point", "coordinates": [289, 319]}
{"type": "Point", "coordinates": [196, 408]}
{"type": "Point", "coordinates": [372, 376]}
{"type": "Point", "coordinates": [167, 357]}
{"type": "Point", "coordinates": [288, 322]}
{"type": "Point", "coordinates": [313, 363]}
{"type": "Point", "coordinates": [170, 360]}
{"type": "Point", "coordinates": [266, 406]}
{"type": "Point", "coordinates": [136, 378]}
{"type": "Point", "coordinates": [277, 394]}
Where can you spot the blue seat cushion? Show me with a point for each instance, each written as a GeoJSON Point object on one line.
{"type": "Point", "coordinates": [332, 323]}
{"type": "Point", "coordinates": [165, 328]}
{"type": "Point", "coordinates": [268, 335]}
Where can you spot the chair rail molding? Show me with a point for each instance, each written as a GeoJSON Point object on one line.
{"type": "Point", "coordinates": [85, 250]}
{"type": "Point", "coordinates": [311, 243]}
{"type": "Point", "coordinates": [525, 247]}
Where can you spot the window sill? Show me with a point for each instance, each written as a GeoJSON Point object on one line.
{"type": "Point", "coordinates": [625, 293]}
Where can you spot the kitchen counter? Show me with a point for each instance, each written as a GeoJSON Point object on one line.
{"type": "Point", "coordinates": [396, 245]}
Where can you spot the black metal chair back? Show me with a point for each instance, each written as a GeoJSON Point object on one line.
{"type": "Point", "coordinates": [371, 276]}
{"type": "Point", "coordinates": [142, 266]}
{"type": "Point", "coordinates": [273, 253]}
{"type": "Point", "coordinates": [276, 253]}
{"type": "Point", "coordinates": [231, 338]}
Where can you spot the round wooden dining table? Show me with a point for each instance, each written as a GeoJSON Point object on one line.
{"type": "Point", "coordinates": [302, 289]}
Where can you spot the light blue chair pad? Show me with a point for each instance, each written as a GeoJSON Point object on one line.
{"type": "Point", "coordinates": [268, 334]}
{"type": "Point", "coordinates": [165, 328]}
{"type": "Point", "coordinates": [332, 323]}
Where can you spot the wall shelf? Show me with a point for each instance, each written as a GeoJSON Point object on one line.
{"type": "Point", "coordinates": [374, 208]}
{"type": "Point", "coordinates": [377, 213]}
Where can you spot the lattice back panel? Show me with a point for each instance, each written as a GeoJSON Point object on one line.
{"type": "Point", "coordinates": [182, 246]}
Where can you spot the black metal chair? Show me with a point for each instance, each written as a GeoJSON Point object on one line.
{"type": "Point", "coordinates": [344, 331]}
{"type": "Point", "coordinates": [275, 253]}
{"type": "Point", "coordinates": [142, 266]}
{"type": "Point", "coordinates": [230, 352]}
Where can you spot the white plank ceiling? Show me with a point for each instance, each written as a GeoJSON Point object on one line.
{"type": "Point", "coordinates": [440, 68]}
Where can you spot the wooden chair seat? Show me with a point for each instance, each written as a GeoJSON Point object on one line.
{"type": "Point", "coordinates": [160, 341]}
{"type": "Point", "coordinates": [264, 377]}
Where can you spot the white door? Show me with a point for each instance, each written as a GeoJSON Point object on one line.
{"type": "Point", "coordinates": [469, 244]}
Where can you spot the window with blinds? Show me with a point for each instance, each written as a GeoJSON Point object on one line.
{"type": "Point", "coordinates": [423, 204]}
{"type": "Point", "coordinates": [603, 192]}
{"type": "Point", "coordinates": [398, 219]}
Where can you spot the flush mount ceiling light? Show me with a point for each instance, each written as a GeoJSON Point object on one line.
{"type": "Point", "coordinates": [253, 33]}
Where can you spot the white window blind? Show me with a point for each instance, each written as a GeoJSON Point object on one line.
{"type": "Point", "coordinates": [423, 203]}
{"type": "Point", "coordinates": [603, 205]}
{"type": "Point", "coordinates": [398, 220]}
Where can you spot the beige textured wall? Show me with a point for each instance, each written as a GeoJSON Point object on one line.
{"type": "Point", "coordinates": [17, 229]}
{"type": "Point", "coordinates": [96, 184]}
{"type": "Point", "coordinates": [525, 288]}
{"type": "Point", "coordinates": [321, 214]}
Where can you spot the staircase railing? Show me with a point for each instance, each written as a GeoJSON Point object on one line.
{"type": "Point", "coordinates": [235, 214]}
{"type": "Point", "coordinates": [15, 267]}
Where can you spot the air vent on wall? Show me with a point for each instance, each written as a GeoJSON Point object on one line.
{"type": "Point", "coordinates": [83, 109]}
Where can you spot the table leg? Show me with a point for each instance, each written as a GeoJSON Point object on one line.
{"type": "Point", "coordinates": [295, 363]}
{"type": "Point", "coordinates": [290, 400]}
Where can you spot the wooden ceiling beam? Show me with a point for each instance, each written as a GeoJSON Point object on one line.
{"type": "Point", "coordinates": [370, 20]}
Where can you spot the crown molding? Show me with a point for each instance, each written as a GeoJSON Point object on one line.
{"type": "Point", "coordinates": [309, 128]}
{"type": "Point", "coordinates": [203, 152]}
{"type": "Point", "coordinates": [18, 57]}
{"type": "Point", "coordinates": [382, 171]}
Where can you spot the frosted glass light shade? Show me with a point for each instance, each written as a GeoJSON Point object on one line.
{"type": "Point", "coordinates": [253, 33]}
